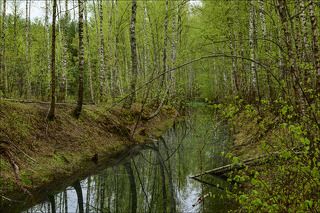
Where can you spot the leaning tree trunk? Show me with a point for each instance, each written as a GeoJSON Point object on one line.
{"type": "Point", "coordinates": [78, 108]}
{"type": "Point", "coordinates": [115, 71]}
{"type": "Point", "coordinates": [134, 59]}
{"type": "Point", "coordinates": [51, 113]}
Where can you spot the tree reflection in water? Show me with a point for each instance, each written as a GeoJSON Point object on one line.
{"type": "Point", "coordinates": [157, 179]}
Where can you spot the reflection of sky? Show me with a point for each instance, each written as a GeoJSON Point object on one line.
{"type": "Point", "coordinates": [73, 199]}
{"type": "Point", "coordinates": [188, 196]}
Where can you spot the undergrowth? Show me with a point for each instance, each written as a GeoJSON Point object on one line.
{"type": "Point", "coordinates": [288, 179]}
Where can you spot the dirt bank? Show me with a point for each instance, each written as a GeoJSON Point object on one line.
{"type": "Point", "coordinates": [35, 153]}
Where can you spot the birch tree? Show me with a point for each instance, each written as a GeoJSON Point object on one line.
{"type": "Point", "coordinates": [266, 45]}
{"type": "Point", "coordinates": [252, 44]}
{"type": "Point", "coordinates": [78, 108]}
{"type": "Point", "coordinates": [51, 113]}
{"type": "Point", "coordinates": [88, 55]}
{"type": "Point", "coordinates": [134, 60]}
{"type": "Point", "coordinates": [102, 68]}
{"type": "Point", "coordinates": [3, 74]}
{"type": "Point", "coordinates": [63, 80]}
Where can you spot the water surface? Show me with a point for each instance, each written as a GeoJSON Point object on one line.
{"type": "Point", "coordinates": [157, 178]}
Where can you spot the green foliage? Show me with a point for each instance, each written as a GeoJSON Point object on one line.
{"type": "Point", "coordinates": [289, 180]}
{"type": "Point", "coordinates": [230, 111]}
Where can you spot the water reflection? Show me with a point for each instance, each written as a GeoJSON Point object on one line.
{"type": "Point", "coordinates": [157, 179]}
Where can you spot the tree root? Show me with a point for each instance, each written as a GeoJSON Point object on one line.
{"type": "Point", "coordinates": [7, 154]}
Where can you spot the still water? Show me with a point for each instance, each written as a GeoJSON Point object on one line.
{"type": "Point", "coordinates": [157, 177]}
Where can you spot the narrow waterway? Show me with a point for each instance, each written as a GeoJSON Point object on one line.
{"type": "Point", "coordinates": [157, 177]}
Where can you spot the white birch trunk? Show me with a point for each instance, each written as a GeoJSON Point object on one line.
{"type": "Point", "coordinates": [102, 69]}
{"type": "Point", "coordinates": [88, 54]}
{"type": "Point", "coordinates": [252, 47]}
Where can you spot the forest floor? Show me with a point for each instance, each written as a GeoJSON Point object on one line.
{"type": "Point", "coordinates": [251, 132]}
{"type": "Point", "coordinates": [35, 153]}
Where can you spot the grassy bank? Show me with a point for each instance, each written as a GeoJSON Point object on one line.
{"type": "Point", "coordinates": [288, 178]}
{"type": "Point", "coordinates": [35, 153]}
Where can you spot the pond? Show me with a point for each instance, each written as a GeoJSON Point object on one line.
{"type": "Point", "coordinates": [156, 178]}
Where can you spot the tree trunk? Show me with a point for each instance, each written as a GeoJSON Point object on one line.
{"type": "Point", "coordinates": [52, 203]}
{"type": "Point", "coordinates": [51, 113]}
{"type": "Point", "coordinates": [134, 59]}
{"type": "Point", "coordinates": [88, 55]}
{"type": "Point", "coordinates": [133, 187]}
{"type": "Point", "coordinates": [46, 21]}
{"type": "Point", "coordinates": [174, 47]}
{"type": "Point", "coordinates": [88, 196]}
{"type": "Point", "coordinates": [65, 200]}
{"type": "Point", "coordinates": [244, 77]}
{"type": "Point", "coordinates": [77, 187]}
{"type": "Point", "coordinates": [305, 45]}
{"type": "Point", "coordinates": [110, 65]}
{"type": "Point", "coordinates": [165, 44]}
{"type": "Point", "coordinates": [102, 56]}
{"type": "Point", "coordinates": [266, 46]}
{"type": "Point", "coordinates": [28, 48]}
{"type": "Point", "coordinates": [235, 81]}
{"type": "Point", "coordinates": [252, 43]}
{"type": "Point", "coordinates": [290, 67]}
{"type": "Point", "coordinates": [315, 44]}
{"type": "Point", "coordinates": [3, 74]}
{"type": "Point", "coordinates": [63, 89]}
{"type": "Point", "coordinates": [15, 35]}
{"type": "Point", "coordinates": [115, 71]}
{"type": "Point", "coordinates": [78, 108]}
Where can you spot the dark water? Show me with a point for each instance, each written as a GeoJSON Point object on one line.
{"type": "Point", "coordinates": [157, 179]}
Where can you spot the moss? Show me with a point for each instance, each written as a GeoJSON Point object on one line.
{"type": "Point", "coordinates": [59, 160]}
{"type": "Point", "coordinates": [26, 178]}
{"type": "Point", "coordinates": [17, 125]}
{"type": "Point", "coordinates": [4, 165]}
{"type": "Point", "coordinates": [90, 114]}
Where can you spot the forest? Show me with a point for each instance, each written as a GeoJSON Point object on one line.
{"type": "Point", "coordinates": [159, 106]}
